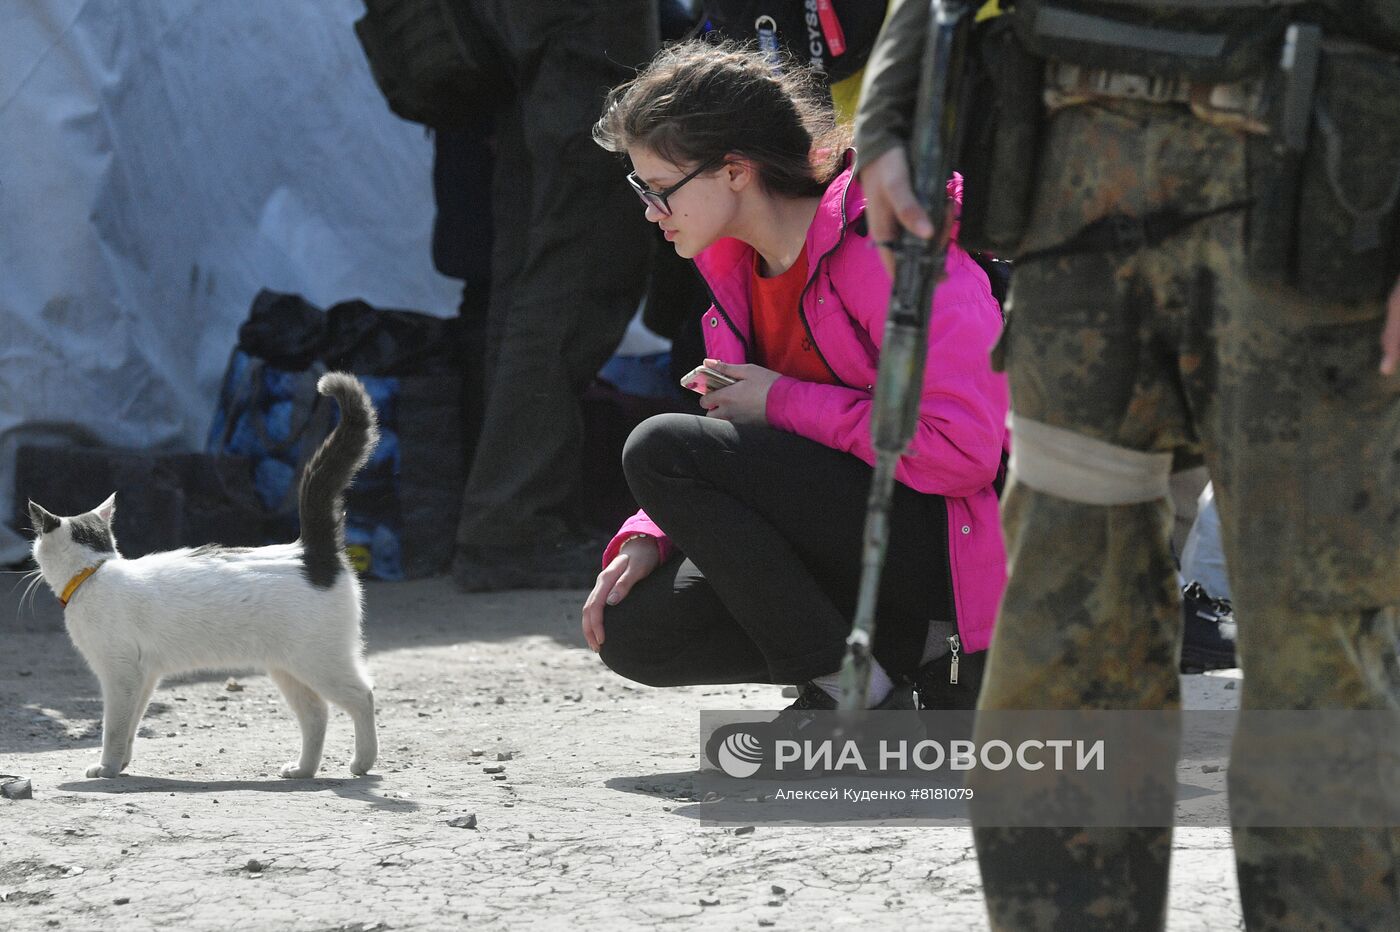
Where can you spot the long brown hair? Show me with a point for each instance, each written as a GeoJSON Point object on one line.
{"type": "Point", "coordinates": [700, 101]}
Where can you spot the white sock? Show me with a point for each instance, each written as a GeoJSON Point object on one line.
{"type": "Point", "coordinates": [880, 685]}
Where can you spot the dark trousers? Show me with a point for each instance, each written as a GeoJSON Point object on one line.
{"type": "Point", "coordinates": [768, 529]}
{"type": "Point", "coordinates": [569, 258]}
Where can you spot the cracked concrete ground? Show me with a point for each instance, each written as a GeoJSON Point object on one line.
{"type": "Point", "coordinates": [593, 825]}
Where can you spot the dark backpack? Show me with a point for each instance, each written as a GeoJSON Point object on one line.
{"type": "Point", "coordinates": [432, 62]}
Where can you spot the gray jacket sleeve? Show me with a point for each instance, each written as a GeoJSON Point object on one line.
{"type": "Point", "coordinates": [886, 110]}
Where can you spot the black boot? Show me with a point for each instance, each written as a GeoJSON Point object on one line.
{"type": "Point", "coordinates": [1208, 641]}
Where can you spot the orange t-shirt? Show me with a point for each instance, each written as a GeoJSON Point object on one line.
{"type": "Point", "coordinates": [780, 341]}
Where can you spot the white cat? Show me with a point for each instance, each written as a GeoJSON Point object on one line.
{"type": "Point", "coordinates": [293, 609]}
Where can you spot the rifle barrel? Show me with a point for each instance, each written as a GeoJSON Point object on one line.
{"type": "Point", "coordinates": [904, 351]}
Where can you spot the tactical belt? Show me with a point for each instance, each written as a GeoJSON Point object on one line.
{"type": "Point", "coordinates": [1122, 233]}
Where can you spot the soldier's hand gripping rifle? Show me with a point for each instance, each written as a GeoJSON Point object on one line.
{"type": "Point", "coordinates": [918, 265]}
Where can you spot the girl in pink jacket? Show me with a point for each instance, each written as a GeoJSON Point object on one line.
{"type": "Point", "coordinates": [744, 563]}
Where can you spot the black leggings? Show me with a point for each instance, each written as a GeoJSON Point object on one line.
{"type": "Point", "coordinates": [762, 587]}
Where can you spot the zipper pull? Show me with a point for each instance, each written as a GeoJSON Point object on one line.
{"type": "Point", "coordinates": [953, 647]}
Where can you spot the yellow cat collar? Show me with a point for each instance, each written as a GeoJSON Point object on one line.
{"type": "Point", "coordinates": [74, 583]}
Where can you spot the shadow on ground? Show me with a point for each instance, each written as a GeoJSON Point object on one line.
{"type": "Point", "coordinates": [359, 789]}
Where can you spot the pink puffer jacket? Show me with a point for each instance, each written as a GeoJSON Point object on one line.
{"type": "Point", "coordinates": [961, 434]}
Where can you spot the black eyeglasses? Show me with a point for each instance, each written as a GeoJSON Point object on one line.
{"type": "Point", "coordinates": [657, 199]}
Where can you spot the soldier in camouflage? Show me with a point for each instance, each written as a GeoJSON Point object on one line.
{"type": "Point", "coordinates": [1127, 356]}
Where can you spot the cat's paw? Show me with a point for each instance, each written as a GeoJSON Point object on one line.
{"type": "Point", "coordinates": [360, 768]}
{"type": "Point", "coordinates": [102, 770]}
{"type": "Point", "coordinates": [295, 771]}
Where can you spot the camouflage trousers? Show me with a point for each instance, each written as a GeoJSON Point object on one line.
{"type": "Point", "coordinates": [1172, 349]}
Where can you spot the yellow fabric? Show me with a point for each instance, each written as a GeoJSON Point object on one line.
{"type": "Point", "coordinates": [845, 94]}
{"type": "Point", "coordinates": [74, 583]}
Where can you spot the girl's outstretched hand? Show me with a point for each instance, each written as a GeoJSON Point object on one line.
{"type": "Point", "coordinates": [744, 402]}
{"type": "Point", "coordinates": [634, 562]}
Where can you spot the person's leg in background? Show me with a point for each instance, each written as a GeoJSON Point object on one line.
{"type": "Point", "coordinates": [676, 295]}
{"type": "Point", "coordinates": [1203, 556]}
{"type": "Point", "coordinates": [676, 301]}
{"type": "Point", "coordinates": [462, 243]}
{"type": "Point", "coordinates": [570, 267]}
{"type": "Point", "coordinates": [1186, 484]}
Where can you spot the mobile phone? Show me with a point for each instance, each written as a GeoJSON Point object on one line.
{"type": "Point", "coordinates": [703, 379]}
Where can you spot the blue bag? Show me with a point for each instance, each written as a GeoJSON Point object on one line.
{"type": "Point", "coordinates": [401, 510]}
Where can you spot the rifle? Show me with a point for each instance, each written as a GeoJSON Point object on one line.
{"type": "Point", "coordinates": [918, 265]}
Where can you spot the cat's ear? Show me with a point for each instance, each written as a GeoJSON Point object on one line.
{"type": "Point", "coordinates": [107, 509]}
{"type": "Point", "coordinates": [42, 521]}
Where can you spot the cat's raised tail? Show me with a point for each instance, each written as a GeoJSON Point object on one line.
{"type": "Point", "coordinates": [328, 473]}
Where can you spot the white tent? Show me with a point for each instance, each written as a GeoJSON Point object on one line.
{"type": "Point", "coordinates": [160, 162]}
